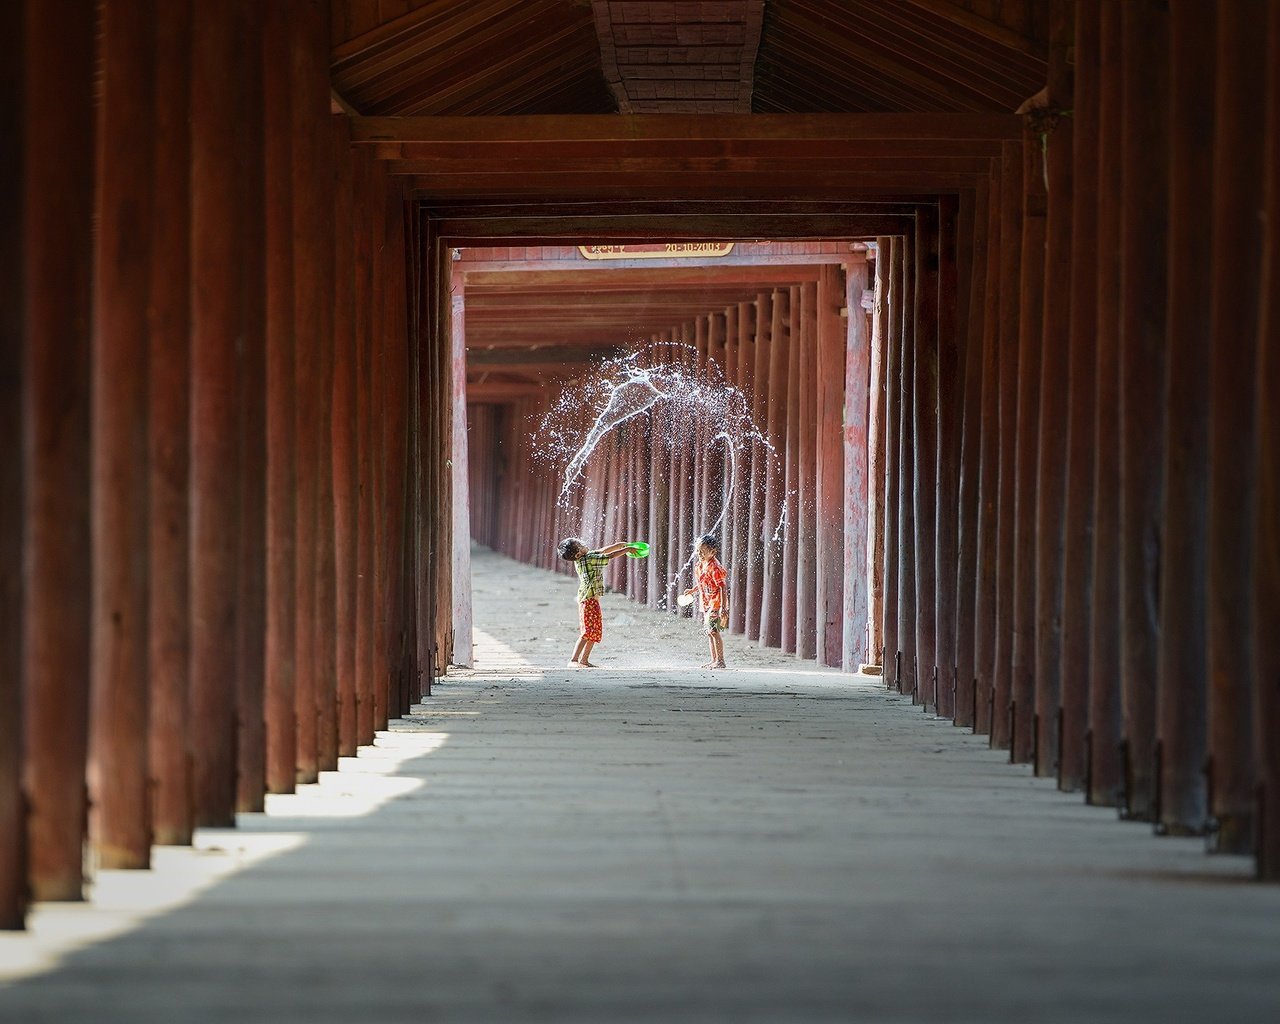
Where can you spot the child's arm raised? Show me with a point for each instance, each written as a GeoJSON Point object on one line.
{"type": "Point", "coordinates": [616, 549]}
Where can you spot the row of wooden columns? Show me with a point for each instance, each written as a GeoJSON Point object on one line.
{"type": "Point", "coordinates": [213, 578]}
{"type": "Point", "coordinates": [800, 358]}
{"type": "Point", "coordinates": [1075, 415]}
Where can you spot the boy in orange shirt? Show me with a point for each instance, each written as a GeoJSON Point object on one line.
{"type": "Point", "coordinates": [713, 595]}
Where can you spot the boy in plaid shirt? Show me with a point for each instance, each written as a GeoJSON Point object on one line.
{"type": "Point", "coordinates": [590, 566]}
{"type": "Point", "coordinates": [711, 585]}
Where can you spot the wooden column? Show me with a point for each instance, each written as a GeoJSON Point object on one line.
{"type": "Point", "coordinates": [398, 662]}
{"type": "Point", "coordinates": [774, 427]}
{"type": "Point", "coordinates": [119, 818]}
{"type": "Point", "coordinates": [1266, 692]}
{"type": "Point", "coordinates": [1051, 469]}
{"type": "Point", "coordinates": [462, 654]}
{"type": "Point", "coordinates": [924, 420]}
{"type": "Point", "coordinates": [970, 452]}
{"type": "Point", "coordinates": [217, 320]}
{"type": "Point", "coordinates": [988, 484]}
{"type": "Point", "coordinates": [889, 277]}
{"type": "Point", "coordinates": [840, 439]}
{"type": "Point", "coordinates": [1022, 696]}
{"type": "Point", "coordinates": [807, 556]}
{"type": "Point", "coordinates": [169, 369]}
{"type": "Point", "coordinates": [1104, 767]}
{"type": "Point", "coordinates": [1181, 666]}
{"type": "Point", "coordinates": [744, 322]}
{"type": "Point", "coordinates": [791, 478]}
{"type": "Point", "coordinates": [877, 468]}
{"type": "Point", "coordinates": [13, 824]}
{"type": "Point", "coordinates": [250, 726]}
{"type": "Point", "coordinates": [659, 498]}
{"type": "Point", "coordinates": [1077, 571]}
{"type": "Point", "coordinates": [1144, 224]}
{"type": "Point", "coordinates": [57, 254]}
{"type": "Point", "coordinates": [1238, 194]}
{"type": "Point", "coordinates": [905, 673]}
{"type": "Point", "coordinates": [1011, 203]}
{"type": "Point", "coordinates": [947, 469]}
{"type": "Point", "coordinates": [346, 481]}
{"type": "Point", "coordinates": [754, 548]}
{"type": "Point", "coordinates": [367, 228]}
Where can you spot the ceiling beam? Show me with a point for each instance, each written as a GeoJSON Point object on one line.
{"type": "Point", "coordinates": [536, 355]}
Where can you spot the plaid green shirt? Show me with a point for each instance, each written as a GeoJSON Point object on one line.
{"type": "Point", "coordinates": [590, 575]}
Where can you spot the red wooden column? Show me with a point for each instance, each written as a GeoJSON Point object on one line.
{"type": "Point", "coordinates": [366, 228]}
{"type": "Point", "coordinates": [1144, 226]}
{"type": "Point", "coordinates": [835, 344]}
{"type": "Point", "coordinates": [807, 477]}
{"type": "Point", "coordinates": [57, 255]}
{"type": "Point", "coordinates": [988, 456]}
{"type": "Point", "coordinates": [1181, 684]}
{"type": "Point", "coordinates": [1077, 557]}
{"type": "Point", "coordinates": [888, 278]}
{"type": "Point", "coordinates": [169, 370]}
{"type": "Point", "coordinates": [774, 427]}
{"type": "Point", "coordinates": [713, 480]}
{"type": "Point", "coordinates": [877, 467]}
{"type": "Point", "coordinates": [119, 816]}
{"type": "Point", "coordinates": [970, 450]}
{"type": "Point", "coordinates": [791, 477]}
{"type": "Point", "coordinates": [462, 654]}
{"type": "Point", "coordinates": [1051, 470]}
{"type": "Point", "coordinates": [683, 459]}
{"type": "Point", "coordinates": [1022, 696]}
{"type": "Point", "coordinates": [251, 602]}
{"type": "Point", "coordinates": [346, 482]}
{"type": "Point", "coordinates": [904, 671]}
{"type": "Point", "coordinates": [217, 320]}
{"type": "Point", "coordinates": [1104, 768]}
{"type": "Point", "coordinates": [1238, 172]}
{"type": "Point", "coordinates": [947, 469]}
{"type": "Point", "coordinates": [13, 825]}
{"type": "Point", "coordinates": [924, 422]}
{"type": "Point", "coordinates": [659, 498]}
{"type": "Point", "coordinates": [1011, 204]}
{"type": "Point", "coordinates": [754, 548]}
{"type": "Point", "coordinates": [1266, 693]}
{"type": "Point", "coordinates": [745, 321]}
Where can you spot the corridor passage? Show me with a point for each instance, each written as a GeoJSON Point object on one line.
{"type": "Point", "coordinates": [653, 843]}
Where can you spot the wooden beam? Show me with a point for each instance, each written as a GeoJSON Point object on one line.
{"type": "Point", "coordinates": [997, 33]}
{"type": "Point", "coordinates": [622, 226]}
{"type": "Point", "coordinates": [536, 355]}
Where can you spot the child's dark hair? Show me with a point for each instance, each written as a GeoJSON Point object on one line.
{"type": "Point", "coordinates": [568, 546]}
{"type": "Point", "coordinates": [711, 541]}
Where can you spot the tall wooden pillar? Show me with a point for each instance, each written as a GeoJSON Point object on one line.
{"type": "Point", "coordinates": [169, 370]}
{"type": "Point", "coordinates": [366, 206]}
{"type": "Point", "coordinates": [1181, 667]}
{"type": "Point", "coordinates": [1077, 568]}
{"type": "Point", "coordinates": [988, 484]}
{"type": "Point", "coordinates": [905, 674]}
{"type": "Point", "coordinates": [1238, 169]}
{"type": "Point", "coordinates": [791, 478]}
{"type": "Point", "coordinates": [807, 521]}
{"type": "Point", "coordinates": [462, 654]}
{"type": "Point", "coordinates": [1266, 650]}
{"type": "Point", "coordinates": [251, 584]}
{"type": "Point", "coordinates": [346, 482]}
{"type": "Point", "coordinates": [889, 277]}
{"type": "Point", "coordinates": [1051, 468]}
{"type": "Point", "coordinates": [924, 421]}
{"type": "Point", "coordinates": [57, 257]}
{"type": "Point", "coordinates": [946, 468]}
{"type": "Point", "coordinates": [13, 824]}
{"type": "Point", "coordinates": [754, 547]}
{"type": "Point", "coordinates": [774, 428]}
{"type": "Point", "coordinates": [217, 320]}
{"type": "Point", "coordinates": [1104, 766]}
{"type": "Point", "coordinates": [1144, 227]}
{"type": "Point", "coordinates": [970, 451]}
{"type": "Point", "coordinates": [659, 498]}
{"type": "Point", "coordinates": [877, 467]}
{"type": "Point", "coordinates": [1011, 230]}
{"type": "Point", "coordinates": [745, 321]}
{"type": "Point", "coordinates": [1022, 696]}
{"type": "Point", "coordinates": [845, 487]}
{"type": "Point", "coordinates": [119, 820]}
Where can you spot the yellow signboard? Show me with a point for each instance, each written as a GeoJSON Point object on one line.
{"type": "Point", "coordinates": [656, 251]}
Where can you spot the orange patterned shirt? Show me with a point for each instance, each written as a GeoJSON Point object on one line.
{"type": "Point", "coordinates": [710, 578]}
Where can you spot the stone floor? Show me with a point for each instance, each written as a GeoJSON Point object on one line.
{"type": "Point", "coordinates": [647, 842]}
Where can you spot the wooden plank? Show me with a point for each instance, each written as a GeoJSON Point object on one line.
{"type": "Point", "coordinates": [997, 33]}
{"type": "Point", "coordinates": [621, 128]}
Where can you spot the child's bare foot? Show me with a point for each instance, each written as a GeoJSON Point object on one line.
{"type": "Point", "coordinates": [573, 664]}
{"type": "Point", "coordinates": [707, 664]}
{"type": "Point", "coordinates": [716, 664]}
{"type": "Point", "coordinates": [586, 664]}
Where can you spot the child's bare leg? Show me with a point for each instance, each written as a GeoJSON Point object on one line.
{"type": "Point", "coordinates": [584, 659]}
{"type": "Point", "coordinates": [717, 644]}
{"type": "Point", "coordinates": [711, 649]}
{"type": "Point", "coordinates": [576, 658]}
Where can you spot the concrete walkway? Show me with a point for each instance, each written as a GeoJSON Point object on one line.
{"type": "Point", "coordinates": [649, 843]}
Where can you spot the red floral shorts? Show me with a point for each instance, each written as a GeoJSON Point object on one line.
{"type": "Point", "coordinates": [589, 616]}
